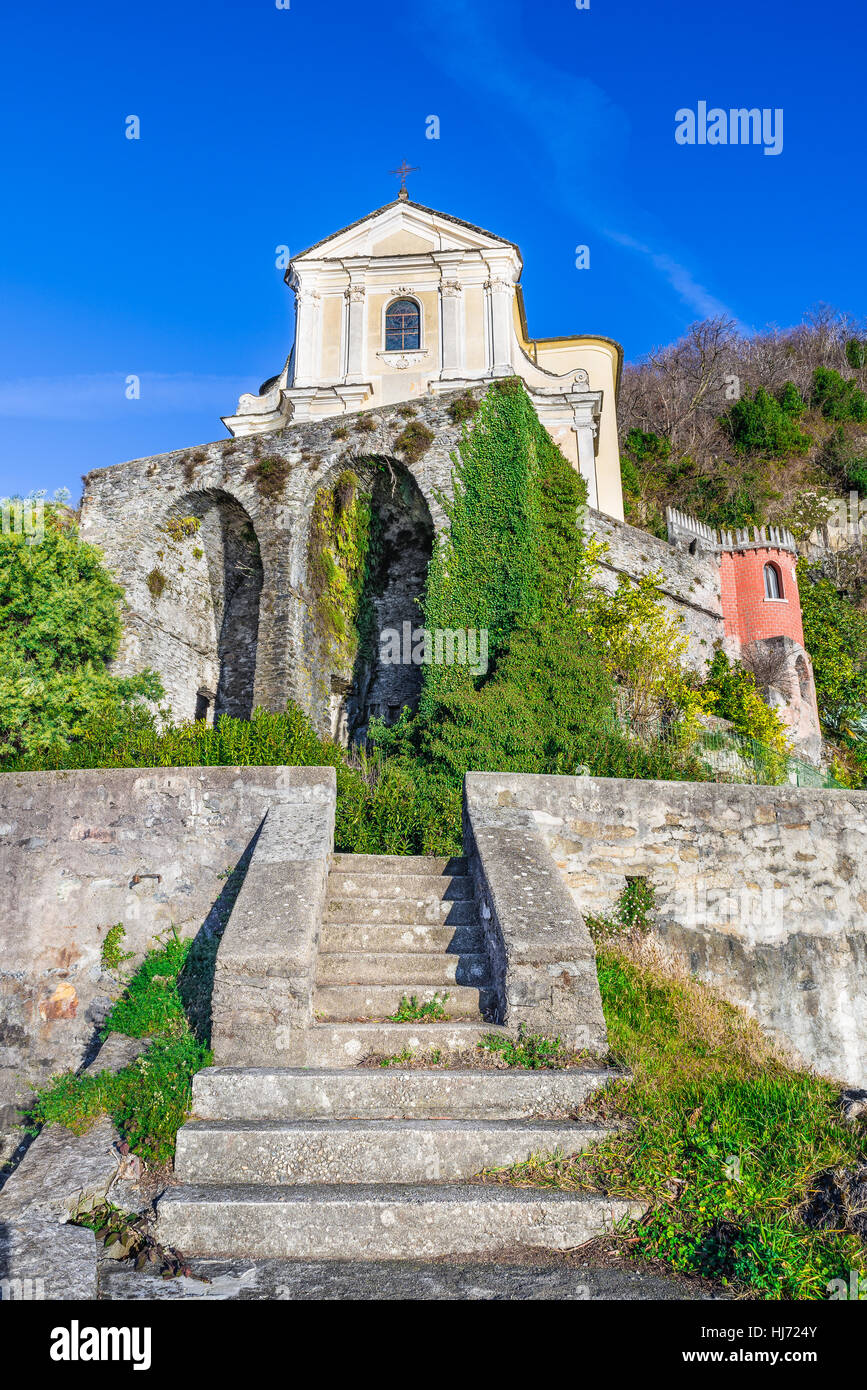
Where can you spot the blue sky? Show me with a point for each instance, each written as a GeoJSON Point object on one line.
{"type": "Point", "coordinates": [263, 126]}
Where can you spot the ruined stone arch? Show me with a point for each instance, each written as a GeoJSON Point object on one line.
{"type": "Point", "coordinates": [219, 596]}
{"type": "Point", "coordinates": [347, 683]}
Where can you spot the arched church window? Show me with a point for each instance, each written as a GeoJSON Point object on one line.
{"type": "Point", "coordinates": [402, 326]}
{"type": "Point", "coordinates": [773, 582]}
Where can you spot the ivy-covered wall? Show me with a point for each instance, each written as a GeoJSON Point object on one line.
{"type": "Point", "coordinates": [339, 518]}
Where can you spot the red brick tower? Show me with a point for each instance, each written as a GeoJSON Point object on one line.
{"type": "Point", "coordinates": [759, 588]}
{"type": "Point", "coordinates": [761, 609]}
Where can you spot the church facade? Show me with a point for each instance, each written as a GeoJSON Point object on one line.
{"type": "Point", "coordinates": [409, 302]}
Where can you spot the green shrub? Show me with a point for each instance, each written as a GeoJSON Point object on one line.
{"type": "Point", "coordinates": [730, 692]}
{"type": "Point", "coordinates": [59, 627]}
{"type": "Point", "coordinates": [837, 397]}
{"type": "Point", "coordinates": [856, 353]}
{"type": "Point", "coordinates": [835, 635]}
{"type": "Point", "coordinates": [764, 426]}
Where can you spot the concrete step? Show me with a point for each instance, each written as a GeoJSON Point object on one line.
{"type": "Point", "coordinates": [332, 1221]}
{"type": "Point", "coordinates": [545, 1278]}
{"type": "Point", "coordinates": [379, 1002]}
{"type": "Point", "coordinates": [397, 864]}
{"type": "Point", "coordinates": [431, 968]}
{"type": "Point", "coordinates": [402, 911]}
{"type": "Point", "coordinates": [345, 1044]}
{"type": "Point", "coordinates": [386, 1093]}
{"type": "Point", "coordinates": [423, 937]}
{"type": "Point", "coordinates": [366, 1151]}
{"type": "Point", "coordinates": [416, 887]}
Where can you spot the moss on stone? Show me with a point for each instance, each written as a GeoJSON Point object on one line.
{"type": "Point", "coordinates": [157, 583]}
{"type": "Point", "coordinates": [414, 440]}
{"type": "Point", "coordinates": [270, 474]}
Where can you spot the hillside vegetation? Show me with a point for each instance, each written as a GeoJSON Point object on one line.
{"type": "Point", "coordinates": [736, 429]}
{"type": "Point", "coordinates": [772, 428]}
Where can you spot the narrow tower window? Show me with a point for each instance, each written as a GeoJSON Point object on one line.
{"type": "Point", "coordinates": [402, 326]}
{"type": "Point", "coordinates": [773, 582]}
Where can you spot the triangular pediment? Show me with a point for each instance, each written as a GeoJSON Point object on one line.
{"type": "Point", "coordinates": [403, 228]}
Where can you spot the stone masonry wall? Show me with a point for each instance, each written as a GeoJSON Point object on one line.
{"type": "Point", "coordinates": [761, 891]}
{"type": "Point", "coordinates": [690, 583]}
{"type": "Point", "coordinates": [81, 851]}
{"type": "Point", "coordinates": [177, 632]}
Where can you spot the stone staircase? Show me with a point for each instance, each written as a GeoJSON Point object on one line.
{"type": "Point", "coordinates": [334, 1161]}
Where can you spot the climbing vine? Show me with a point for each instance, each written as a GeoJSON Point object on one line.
{"type": "Point", "coordinates": [343, 536]}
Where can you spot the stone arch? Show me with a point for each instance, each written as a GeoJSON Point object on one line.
{"type": "Point", "coordinates": [351, 682]}
{"type": "Point", "coordinates": [220, 595]}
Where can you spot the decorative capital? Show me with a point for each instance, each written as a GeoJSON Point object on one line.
{"type": "Point", "coordinates": [499, 286]}
{"type": "Point", "coordinates": [309, 296]}
{"type": "Point", "coordinates": [451, 289]}
{"type": "Point", "coordinates": [354, 293]}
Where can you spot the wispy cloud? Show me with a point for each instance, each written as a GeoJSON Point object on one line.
{"type": "Point", "coordinates": [679, 277]}
{"type": "Point", "coordinates": [102, 395]}
{"type": "Point", "coordinates": [580, 133]}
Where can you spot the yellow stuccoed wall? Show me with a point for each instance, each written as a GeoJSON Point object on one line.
{"type": "Point", "coordinates": [332, 320]}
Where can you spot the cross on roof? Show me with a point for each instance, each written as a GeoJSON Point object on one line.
{"type": "Point", "coordinates": [401, 174]}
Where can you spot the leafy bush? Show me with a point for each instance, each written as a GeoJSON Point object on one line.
{"type": "Point", "coordinates": [835, 634]}
{"type": "Point", "coordinates": [112, 954]}
{"type": "Point", "coordinates": [59, 626]}
{"type": "Point", "coordinates": [765, 426]}
{"type": "Point", "coordinates": [643, 647]}
{"type": "Point", "coordinates": [730, 693]}
{"type": "Point", "coordinates": [837, 397]}
{"type": "Point", "coordinates": [844, 461]}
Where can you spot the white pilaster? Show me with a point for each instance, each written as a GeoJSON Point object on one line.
{"type": "Point", "coordinates": [585, 407]}
{"type": "Point", "coordinates": [499, 293]}
{"type": "Point", "coordinates": [308, 337]}
{"type": "Point", "coordinates": [453, 337]}
{"type": "Point", "coordinates": [354, 358]}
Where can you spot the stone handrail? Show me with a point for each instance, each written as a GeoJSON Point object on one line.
{"type": "Point", "coordinates": [263, 982]}
{"type": "Point", "coordinates": [542, 959]}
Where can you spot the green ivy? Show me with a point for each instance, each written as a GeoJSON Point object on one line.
{"type": "Point", "coordinates": [835, 635]}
